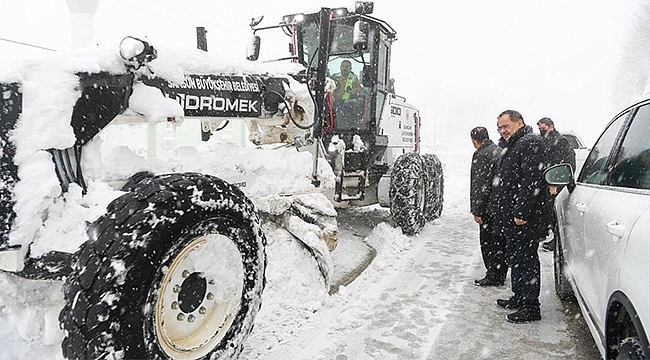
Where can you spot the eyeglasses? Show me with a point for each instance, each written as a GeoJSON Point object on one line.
{"type": "Point", "coordinates": [503, 127]}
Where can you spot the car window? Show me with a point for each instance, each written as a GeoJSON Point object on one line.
{"type": "Point", "coordinates": [593, 170]}
{"type": "Point", "coordinates": [573, 141]}
{"type": "Point", "coordinates": [632, 167]}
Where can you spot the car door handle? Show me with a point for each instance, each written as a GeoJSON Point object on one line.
{"type": "Point", "coordinates": [582, 207]}
{"type": "Point", "coordinates": [616, 229]}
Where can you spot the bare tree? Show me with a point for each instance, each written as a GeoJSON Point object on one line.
{"type": "Point", "coordinates": [632, 82]}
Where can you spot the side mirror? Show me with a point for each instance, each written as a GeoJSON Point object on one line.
{"type": "Point", "coordinates": [360, 35]}
{"type": "Point", "coordinates": [560, 175]}
{"type": "Point", "coordinates": [253, 48]}
{"type": "Point", "coordinates": [137, 51]}
{"type": "Point", "coordinates": [256, 21]}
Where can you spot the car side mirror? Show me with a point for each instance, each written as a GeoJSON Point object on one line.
{"type": "Point", "coordinates": [253, 48]}
{"type": "Point", "coordinates": [360, 35]}
{"type": "Point", "coordinates": [560, 175]}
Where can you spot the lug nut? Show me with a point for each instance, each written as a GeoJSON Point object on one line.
{"type": "Point", "coordinates": [210, 296]}
{"type": "Point", "coordinates": [202, 310]}
{"type": "Point", "coordinates": [186, 273]}
{"type": "Point", "coordinates": [177, 288]}
{"type": "Point", "coordinates": [191, 318]}
{"type": "Point", "coordinates": [174, 305]}
{"type": "Point", "coordinates": [180, 317]}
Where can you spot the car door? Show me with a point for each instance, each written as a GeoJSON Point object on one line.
{"type": "Point", "coordinates": [613, 208]}
{"type": "Point", "coordinates": [579, 210]}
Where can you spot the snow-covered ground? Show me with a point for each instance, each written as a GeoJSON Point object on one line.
{"type": "Point", "coordinates": [415, 300]}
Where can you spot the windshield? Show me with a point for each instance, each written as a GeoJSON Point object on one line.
{"type": "Point", "coordinates": [341, 38]}
{"type": "Point", "coordinates": [341, 35]}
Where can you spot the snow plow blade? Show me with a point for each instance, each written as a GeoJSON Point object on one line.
{"type": "Point", "coordinates": [311, 219]}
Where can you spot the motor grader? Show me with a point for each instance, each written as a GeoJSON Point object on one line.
{"type": "Point", "coordinates": [141, 281]}
{"type": "Point", "coordinates": [370, 137]}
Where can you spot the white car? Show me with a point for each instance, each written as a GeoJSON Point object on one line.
{"type": "Point", "coordinates": [602, 251]}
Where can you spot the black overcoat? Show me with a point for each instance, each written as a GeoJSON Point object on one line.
{"type": "Point", "coordinates": [521, 189]}
{"type": "Point", "coordinates": [482, 186]}
{"type": "Point", "coordinates": [558, 150]}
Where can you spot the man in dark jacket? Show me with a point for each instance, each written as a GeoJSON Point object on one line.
{"type": "Point", "coordinates": [557, 151]}
{"type": "Point", "coordinates": [520, 213]}
{"type": "Point", "coordinates": [557, 148]}
{"type": "Point", "coordinates": [481, 198]}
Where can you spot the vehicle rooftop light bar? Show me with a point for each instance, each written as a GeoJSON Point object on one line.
{"type": "Point", "coordinates": [363, 7]}
{"type": "Point", "coordinates": [293, 18]}
{"type": "Point", "coordinates": [340, 12]}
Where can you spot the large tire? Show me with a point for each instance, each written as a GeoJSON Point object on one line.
{"type": "Point", "coordinates": [407, 193]}
{"type": "Point", "coordinates": [175, 269]}
{"type": "Point", "coordinates": [136, 179]}
{"type": "Point", "coordinates": [562, 286]}
{"type": "Point", "coordinates": [435, 187]}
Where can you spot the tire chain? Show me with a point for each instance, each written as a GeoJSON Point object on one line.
{"type": "Point", "coordinates": [91, 260]}
{"type": "Point", "coordinates": [403, 193]}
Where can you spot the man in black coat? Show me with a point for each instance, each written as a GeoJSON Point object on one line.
{"type": "Point", "coordinates": [520, 213]}
{"type": "Point", "coordinates": [557, 148]}
{"type": "Point", "coordinates": [557, 151]}
{"type": "Point", "coordinates": [481, 198]}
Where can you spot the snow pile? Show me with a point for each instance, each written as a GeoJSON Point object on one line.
{"type": "Point", "coordinates": [263, 173]}
{"type": "Point", "coordinates": [29, 313]}
{"type": "Point", "coordinates": [147, 100]}
{"type": "Point", "coordinates": [65, 226]}
{"type": "Point", "coordinates": [388, 241]}
{"type": "Point", "coordinates": [294, 287]}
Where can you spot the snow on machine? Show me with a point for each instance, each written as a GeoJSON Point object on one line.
{"type": "Point", "coordinates": [161, 240]}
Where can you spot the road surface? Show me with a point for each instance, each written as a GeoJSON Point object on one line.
{"type": "Point", "coordinates": [426, 306]}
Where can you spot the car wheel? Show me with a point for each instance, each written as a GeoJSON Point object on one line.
{"type": "Point", "coordinates": [408, 193]}
{"type": "Point", "coordinates": [435, 187]}
{"type": "Point", "coordinates": [562, 286]}
{"type": "Point", "coordinates": [175, 269]}
{"type": "Point", "coordinates": [626, 337]}
{"type": "Point", "coordinates": [631, 349]}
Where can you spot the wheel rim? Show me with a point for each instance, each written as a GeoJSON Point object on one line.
{"type": "Point", "coordinates": [199, 296]}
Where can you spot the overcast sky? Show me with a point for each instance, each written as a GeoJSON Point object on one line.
{"type": "Point", "coordinates": [460, 62]}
